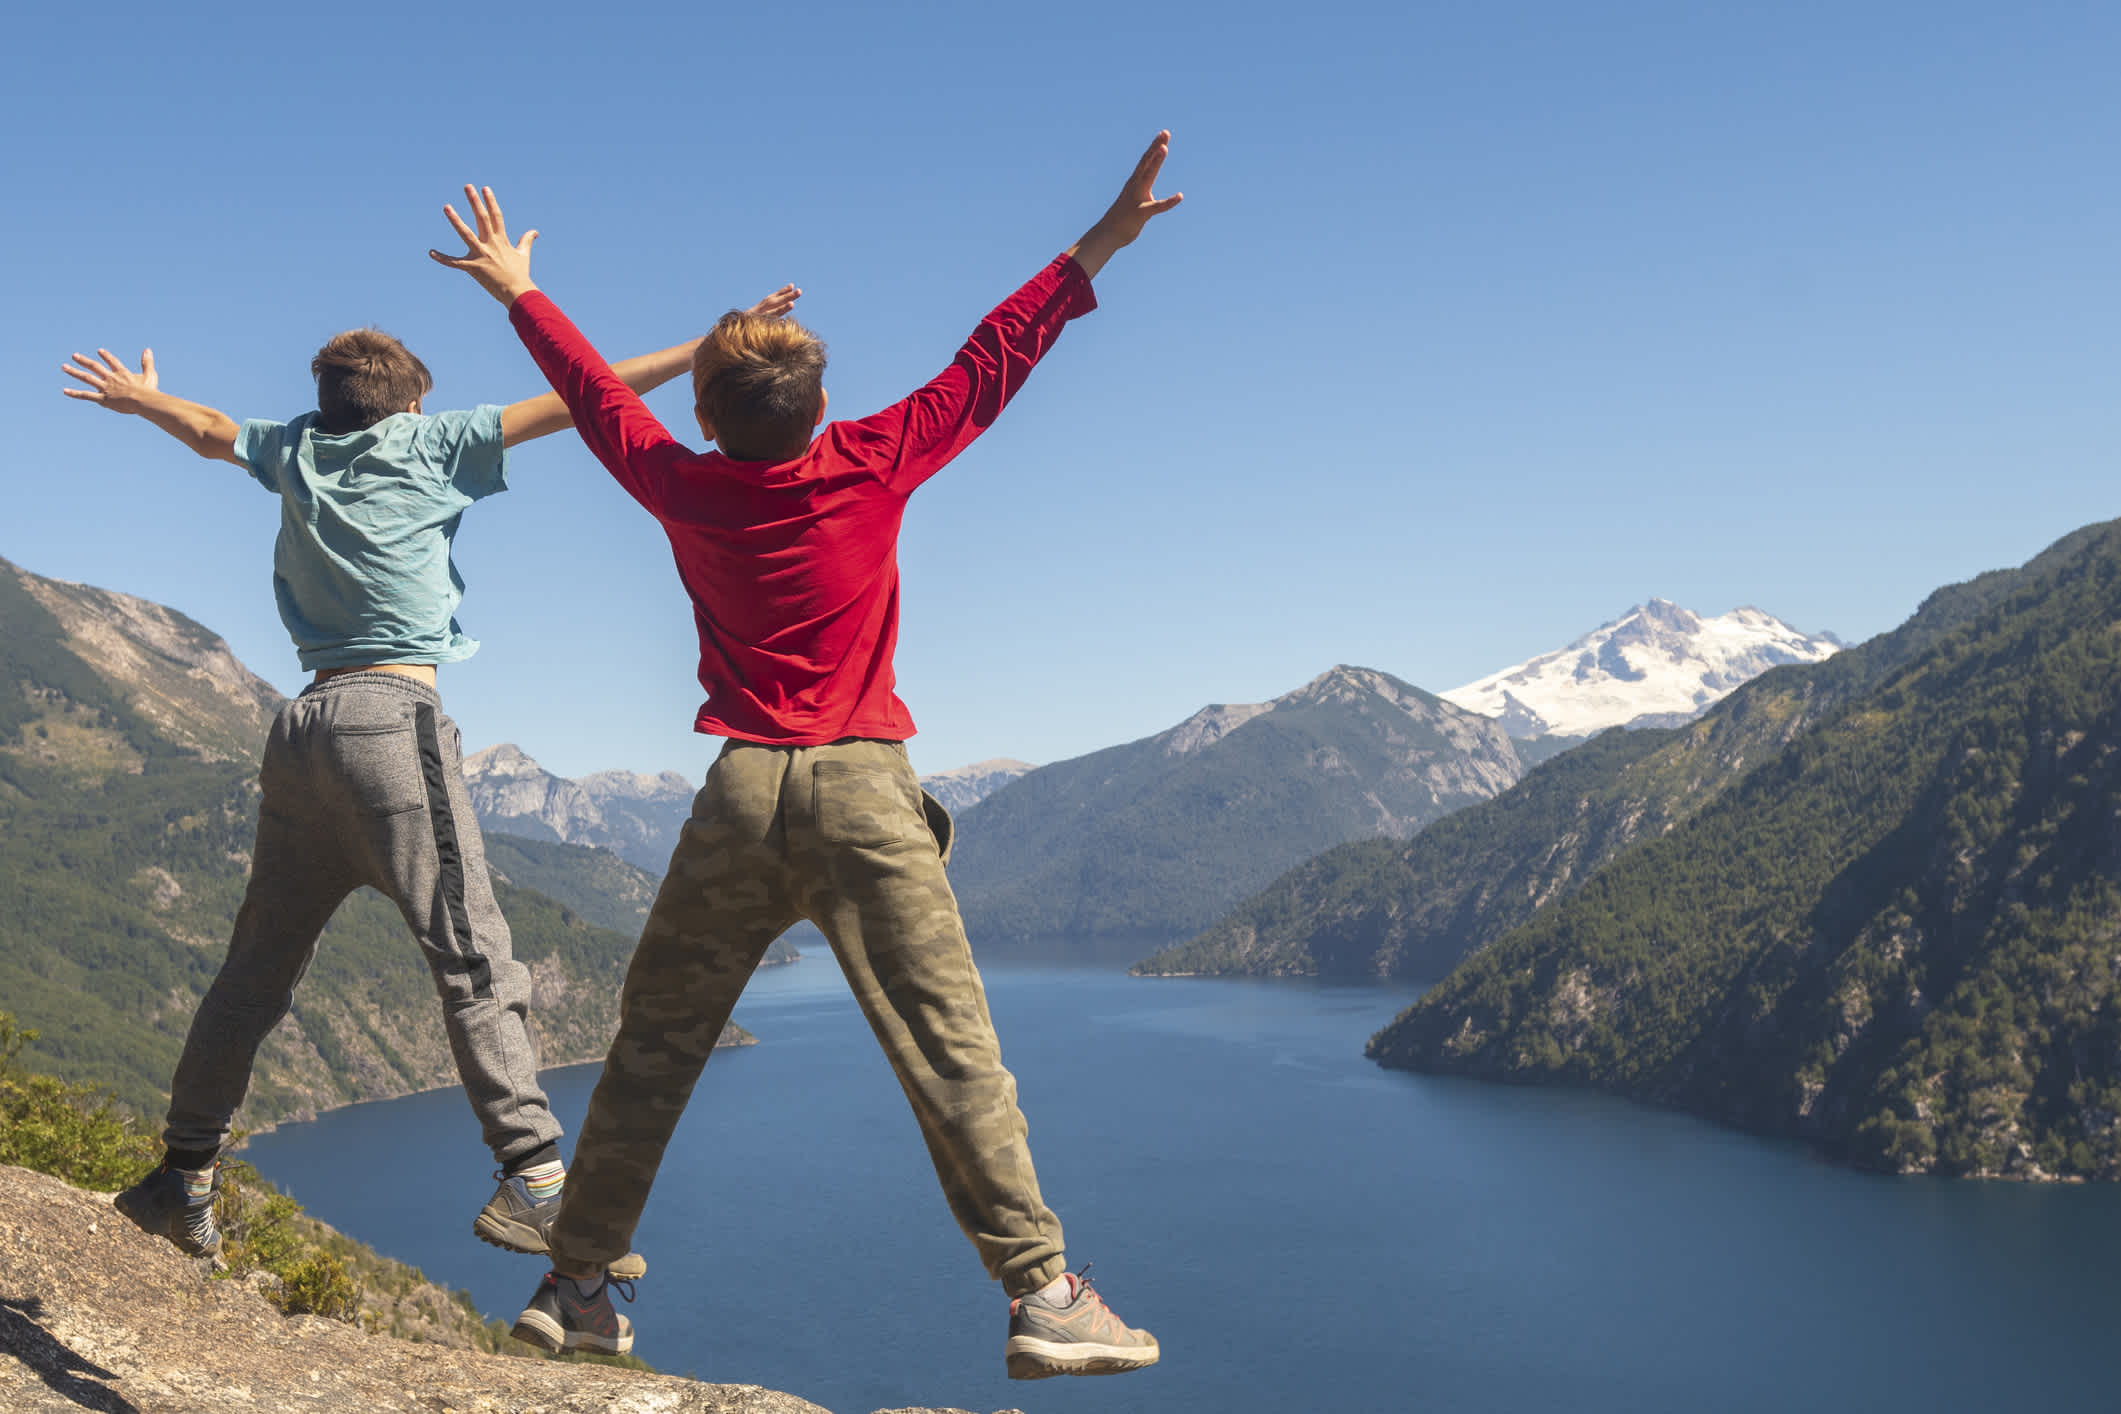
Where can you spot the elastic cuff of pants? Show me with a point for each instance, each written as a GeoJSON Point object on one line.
{"type": "Point", "coordinates": [574, 1259]}
{"type": "Point", "coordinates": [543, 1154]}
{"type": "Point", "coordinates": [1016, 1284]}
{"type": "Point", "coordinates": [191, 1160]}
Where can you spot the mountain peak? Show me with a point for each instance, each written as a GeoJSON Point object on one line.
{"type": "Point", "coordinates": [1659, 662]}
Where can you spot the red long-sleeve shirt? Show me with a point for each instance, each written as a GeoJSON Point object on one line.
{"type": "Point", "coordinates": [793, 566]}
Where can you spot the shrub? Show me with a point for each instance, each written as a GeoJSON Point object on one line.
{"type": "Point", "coordinates": [319, 1284]}
{"type": "Point", "coordinates": [75, 1132]}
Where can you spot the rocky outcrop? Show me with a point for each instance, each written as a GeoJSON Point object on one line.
{"type": "Point", "coordinates": [636, 817]}
{"type": "Point", "coordinates": [96, 1315]}
{"type": "Point", "coordinates": [963, 787]}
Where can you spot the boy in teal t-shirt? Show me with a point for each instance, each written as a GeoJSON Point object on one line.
{"type": "Point", "coordinates": [362, 779]}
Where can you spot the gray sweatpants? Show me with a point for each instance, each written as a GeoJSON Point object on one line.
{"type": "Point", "coordinates": [363, 783]}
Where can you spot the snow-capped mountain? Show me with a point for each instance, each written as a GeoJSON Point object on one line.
{"type": "Point", "coordinates": [1656, 665]}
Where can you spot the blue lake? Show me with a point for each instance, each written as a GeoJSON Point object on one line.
{"type": "Point", "coordinates": [1302, 1230]}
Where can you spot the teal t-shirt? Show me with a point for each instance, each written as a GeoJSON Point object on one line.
{"type": "Point", "coordinates": [362, 569]}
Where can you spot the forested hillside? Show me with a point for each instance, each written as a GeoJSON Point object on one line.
{"type": "Point", "coordinates": [128, 740]}
{"type": "Point", "coordinates": [1414, 909]}
{"type": "Point", "coordinates": [1899, 935]}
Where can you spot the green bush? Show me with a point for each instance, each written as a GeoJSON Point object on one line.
{"type": "Point", "coordinates": [319, 1284]}
{"type": "Point", "coordinates": [75, 1132]}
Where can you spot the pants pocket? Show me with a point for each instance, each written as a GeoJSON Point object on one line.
{"type": "Point", "coordinates": [862, 806]}
{"type": "Point", "coordinates": [380, 768]}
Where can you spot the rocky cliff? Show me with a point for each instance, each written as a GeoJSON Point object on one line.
{"type": "Point", "coordinates": [96, 1315]}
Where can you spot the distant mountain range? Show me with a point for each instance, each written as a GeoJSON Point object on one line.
{"type": "Point", "coordinates": [1148, 841]}
{"type": "Point", "coordinates": [129, 738]}
{"type": "Point", "coordinates": [966, 786]}
{"type": "Point", "coordinates": [1894, 926]}
{"type": "Point", "coordinates": [1416, 909]}
{"type": "Point", "coordinates": [1658, 665]}
{"type": "Point", "coordinates": [634, 816]}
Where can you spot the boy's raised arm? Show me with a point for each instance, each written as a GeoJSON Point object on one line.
{"type": "Point", "coordinates": [547, 413]}
{"type": "Point", "coordinates": [614, 424]}
{"type": "Point", "coordinates": [207, 431]}
{"type": "Point", "coordinates": [923, 432]}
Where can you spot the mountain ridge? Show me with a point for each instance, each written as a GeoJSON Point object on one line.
{"type": "Point", "coordinates": [1143, 841]}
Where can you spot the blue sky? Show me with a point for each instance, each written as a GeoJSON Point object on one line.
{"type": "Point", "coordinates": [1479, 325]}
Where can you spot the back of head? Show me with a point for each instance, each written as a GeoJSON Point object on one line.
{"type": "Point", "coordinates": [757, 382]}
{"type": "Point", "coordinates": [364, 376]}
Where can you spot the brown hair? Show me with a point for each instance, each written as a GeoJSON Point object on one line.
{"type": "Point", "coordinates": [756, 382]}
{"type": "Point", "coordinates": [363, 376]}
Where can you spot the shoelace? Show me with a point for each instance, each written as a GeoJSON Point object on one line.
{"type": "Point", "coordinates": [623, 1284]}
{"type": "Point", "coordinates": [1083, 1286]}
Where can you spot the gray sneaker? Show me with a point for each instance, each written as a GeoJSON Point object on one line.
{"type": "Point", "coordinates": [162, 1204]}
{"type": "Point", "coordinates": [518, 1222]}
{"type": "Point", "coordinates": [1079, 1336]}
{"type": "Point", "coordinates": [560, 1318]}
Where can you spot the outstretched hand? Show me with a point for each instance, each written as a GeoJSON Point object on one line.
{"type": "Point", "coordinates": [1135, 206]}
{"type": "Point", "coordinates": [502, 268]}
{"type": "Point", "coordinates": [1137, 203]}
{"type": "Point", "coordinates": [777, 304]}
{"type": "Point", "coordinates": [110, 382]}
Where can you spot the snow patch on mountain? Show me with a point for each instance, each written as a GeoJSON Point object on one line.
{"type": "Point", "coordinates": [1656, 665]}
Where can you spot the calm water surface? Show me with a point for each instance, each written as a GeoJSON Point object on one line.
{"type": "Point", "coordinates": [1302, 1230]}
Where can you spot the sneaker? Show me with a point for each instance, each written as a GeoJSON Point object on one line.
{"type": "Point", "coordinates": [1079, 1336]}
{"type": "Point", "coordinates": [520, 1223]}
{"type": "Point", "coordinates": [560, 1318]}
{"type": "Point", "coordinates": [162, 1204]}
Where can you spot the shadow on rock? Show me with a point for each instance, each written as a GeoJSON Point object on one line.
{"type": "Point", "coordinates": [59, 1367]}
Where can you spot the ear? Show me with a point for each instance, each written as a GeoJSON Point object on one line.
{"type": "Point", "coordinates": [706, 427]}
{"type": "Point", "coordinates": [415, 406]}
{"type": "Point", "coordinates": [823, 398]}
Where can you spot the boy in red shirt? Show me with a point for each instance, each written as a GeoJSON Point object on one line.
{"type": "Point", "coordinates": [787, 544]}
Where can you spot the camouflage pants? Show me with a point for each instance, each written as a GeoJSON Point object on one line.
{"type": "Point", "coordinates": [842, 835]}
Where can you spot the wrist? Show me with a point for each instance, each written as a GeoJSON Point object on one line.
{"type": "Point", "coordinates": [508, 292]}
